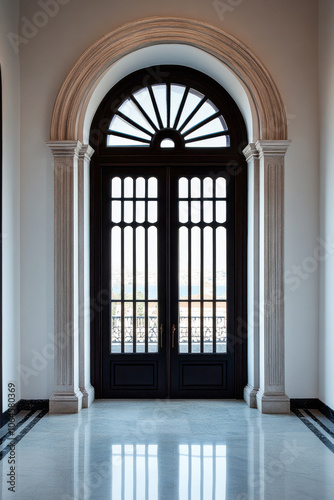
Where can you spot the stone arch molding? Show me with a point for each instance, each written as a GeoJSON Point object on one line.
{"type": "Point", "coordinates": [72, 100]}
{"type": "Point", "coordinates": [265, 157]}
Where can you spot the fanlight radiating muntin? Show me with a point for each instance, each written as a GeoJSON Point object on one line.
{"type": "Point", "coordinates": [168, 115]}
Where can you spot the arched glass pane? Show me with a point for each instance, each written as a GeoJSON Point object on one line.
{"type": "Point", "coordinates": [160, 95]}
{"type": "Point", "coordinates": [129, 109]}
{"type": "Point", "coordinates": [120, 125]}
{"type": "Point", "coordinates": [167, 143]}
{"type": "Point", "coordinates": [155, 108]}
{"type": "Point", "coordinates": [204, 112]}
{"type": "Point", "coordinates": [213, 127]}
{"type": "Point", "coordinates": [214, 142]}
{"type": "Point", "coordinates": [114, 140]}
{"type": "Point", "coordinates": [144, 99]}
{"type": "Point", "coordinates": [176, 95]}
{"type": "Point", "coordinates": [193, 99]}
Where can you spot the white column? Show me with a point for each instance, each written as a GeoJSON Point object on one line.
{"type": "Point", "coordinates": [86, 388]}
{"type": "Point", "coordinates": [271, 397]}
{"type": "Point", "coordinates": [67, 398]}
{"type": "Point", "coordinates": [250, 391]}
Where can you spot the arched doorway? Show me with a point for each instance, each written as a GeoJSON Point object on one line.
{"type": "Point", "coordinates": [169, 229]}
{"type": "Point", "coordinates": [195, 43]}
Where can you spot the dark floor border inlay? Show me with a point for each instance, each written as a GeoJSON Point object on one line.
{"type": "Point", "coordinates": [312, 404]}
{"type": "Point", "coordinates": [25, 431]}
{"type": "Point", "coordinates": [313, 428]}
{"type": "Point", "coordinates": [25, 405]}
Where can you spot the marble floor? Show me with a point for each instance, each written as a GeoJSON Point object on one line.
{"type": "Point", "coordinates": [170, 450]}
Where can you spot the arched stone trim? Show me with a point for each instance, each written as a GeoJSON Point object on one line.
{"type": "Point", "coordinates": [73, 97]}
{"type": "Point", "coordinates": [265, 156]}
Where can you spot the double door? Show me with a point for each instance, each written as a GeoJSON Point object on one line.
{"type": "Point", "coordinates": [168, 271]}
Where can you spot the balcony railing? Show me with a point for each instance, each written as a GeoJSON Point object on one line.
{"type": "Point", "coordinates": [153, 329]}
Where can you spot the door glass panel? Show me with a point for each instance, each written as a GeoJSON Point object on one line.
{"type": "Point", "coordinates": [207, 211]}
{"type": "Point", "coordinates": [183, 327]}
{"type": "Point", "coordinates": [221, 263]}
{"type": "Point", "coordinates": [128, 263]}
{"type": "Point", "coordinates": [116, 187]}
{"type": "Point", "coordinates": [208, 263]}
{"type": "Point", "coordinates": [195, 188]}
{"type": "Point", "coordinates": [183, 187]}
{"type": "Point", "coordinates": [221, 327]}
{"type": "Point", "coordinates": [140, 211]}
{"type": "Point", "coordinates": [152, 211]}
{"type": "Point", "coordinates": [152, 262]}
{"type": "Point", "coordinates": [140, 187]}
{"type": "Point", "coordinates": [208, 327]}
{"type": "Point", "coordinates": [128, 187]}
{"type": "Point", "coordinates": [128, 326]}
{"type": "Point", "coordinates": [153, 187]}
{"type": "Point", "coordinates": [195, 212]}
{"type": "Point", "coordinates": [128, 211]}
{"type": "Point", "coordinates": [140, 263]}
{"type": "Point", "coordinates": [195, 263]}
{"type": "Point", "coordinates": [134, 265]}
{"type": "Point", "coordinates": [116, 263]}
{"type": "Point", "coordinates": [153, 327]}
{"type": "Point", "coordinates": [202, 267]}
{"type": "Point", "coordinates": [183, 211]}
{"type": "Point", "coordinates": [196, 327]}
{"type": "Point", "coordinates": [183, 263]}
{"type": "Point", "coordinates": [116, 327]}
{"type": "Point", "coordinates": [116, 213]}
{"type": "Point", "coordinates": [221, 211]}
{"type": "Point", "coordinates": [140, 326]}
{"type": "Point", "coordinates": [221, 187]}
{"type": "Point", "coordinates": [208, 187]}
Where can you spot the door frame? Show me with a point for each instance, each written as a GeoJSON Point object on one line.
{"type": "Point", "coordinates": [101, 299]}
{"type": "Point", "coordinates": [226, 59]}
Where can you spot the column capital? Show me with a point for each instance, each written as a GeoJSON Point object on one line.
{"type": "Point", "coordinates": [272, 148]}
{"type": "Point", "coordinates": [86, 152]}
{"type": "Point", "coordinates": [250, 152]}
{"type": "Point", "coordinates": [65, 148]}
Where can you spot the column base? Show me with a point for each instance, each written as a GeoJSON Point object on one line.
{"type": "Point", "coordinates": [273, 403]}
{"type": "Point", "coordinates": [250, 394]}
{"type": "Point", "coordinates": [65, 402]}
{"type": "Point", "coordinates": [88, 396]}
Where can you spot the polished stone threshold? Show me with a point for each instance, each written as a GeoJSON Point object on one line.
{"type": "Point", "coordinates": [167, 449]}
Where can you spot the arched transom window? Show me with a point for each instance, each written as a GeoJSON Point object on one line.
{"type": "Point", "coordinates": [168, 115]}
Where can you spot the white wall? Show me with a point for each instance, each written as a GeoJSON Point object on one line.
{"type": "Point", "coordinates": [9, 61]}
{"type": "Point", "coordinates": [326, 68]}
{"type": "Point", "coordinates": [284, 36]}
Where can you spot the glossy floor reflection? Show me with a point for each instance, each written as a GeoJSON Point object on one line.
{"type": "Point", "coordinates": [171, 450]}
